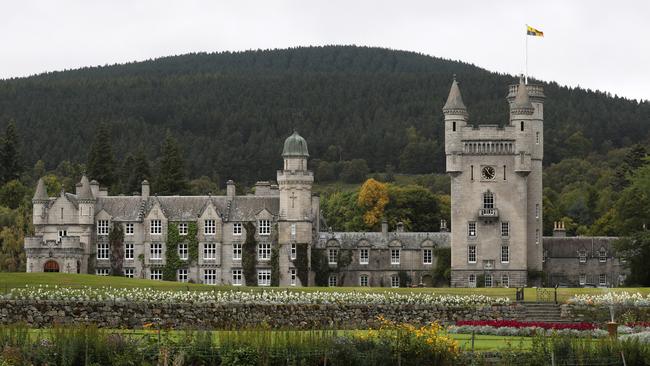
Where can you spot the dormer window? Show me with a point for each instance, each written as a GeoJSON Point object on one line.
{"type": "Point", "coordinates": [182, 228]}
{"type": "Point", "coordinates": [102, 227]}
{"type": "Point", "coordinates": [582, 256]}
{"type": "Point", "coordinates": [210, 227]}
{"type": "Point", "coordinates": [488, 200]}
{"type": "Point", "coordinates": [602, 255]}
{"type": "Point", "coordinates": [156, 227]}
{"type": "Point", "coordinates": [264, 227]}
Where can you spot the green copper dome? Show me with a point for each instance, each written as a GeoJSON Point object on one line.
{"type": "Point", "coordinates": [295, 145]}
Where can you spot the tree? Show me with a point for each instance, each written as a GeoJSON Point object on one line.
{"type": "Point", "coordinates": [171, 178]}
{"type": "Point", "coordinates": [101, 163]}
{"type": "Point", "coordinates": [416, 158]}
{"type": "Point", "coordinates": [12, 194]}
{"type": "Point", "coordinates": [373, 197]}
{"type": "Point", "coordinates": [635, 249]}
{"type": "Point", "coordinates": [141, 171]}
{"type": "Point", "coordinates": [416, 207]}
{"type": "Point", "coordinates": [10, 155]}
{"type": "Point", "coordinates": [354, 171]}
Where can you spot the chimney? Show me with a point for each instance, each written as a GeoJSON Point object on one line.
{"type": "Point", "coordinates": [443, 226]}
{"type": "Point", "coordinates": [384, 228]}
{"type": "Point", "coordinates": [145, 189]}
{"type": "Point", "coordinates": [94, 188]}
{"type": "Point", "coordinates": [263, 188]}
{"type": "Point", "coordinates": [230, 188]}
{"type": "Point", "coordinates": [103, 192]}
{"type": "Point", "coordinates": [558, 229]}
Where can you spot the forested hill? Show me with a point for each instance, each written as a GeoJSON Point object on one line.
{"type": "Point", "coordinates": [231, 111]}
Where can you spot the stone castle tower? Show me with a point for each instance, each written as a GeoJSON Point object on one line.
{"type": "Point", "coordinates": [496, 190]}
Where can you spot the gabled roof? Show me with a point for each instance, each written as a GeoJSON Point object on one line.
{"type": "Point", "coordinates": [121, 208]}
{"type": "Point", "coordinates": [246, 208]}
{"type": "Point", "coordinates": [568, 247]}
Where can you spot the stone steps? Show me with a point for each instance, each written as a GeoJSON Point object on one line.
{"type": "Point", "coordinates": [543, 312]}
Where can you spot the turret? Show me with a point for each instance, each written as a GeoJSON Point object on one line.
{"type": "Point", "coordinates": [86, 201]}
{"type": "Point", "coordinates": [456, 117]}
{"type": "Point", "coordinates": [40, 202]}
{"type": "Point", "coordinates": [295, 152]}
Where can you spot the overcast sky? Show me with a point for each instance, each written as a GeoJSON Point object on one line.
{"type": "Point", "coordinates": [601, 45]}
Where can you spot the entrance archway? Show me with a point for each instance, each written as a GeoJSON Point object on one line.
{"type": "Point", "coordinates": [427, 281]}
{"type": "Point", "coordinates": [51, 266]}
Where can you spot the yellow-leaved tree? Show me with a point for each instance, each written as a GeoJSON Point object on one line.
{"type": "Point", "coordinates": [373, 198]}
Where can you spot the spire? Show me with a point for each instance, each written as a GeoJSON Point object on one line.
{"type": "Point", "coordinates": [522, 104]}
{"type": "Point", "coordinates": [84, 191]}
{"type": "Point", "coordinates": [454, 103]}
{"type": "Point", "coordinates": [41, 192]}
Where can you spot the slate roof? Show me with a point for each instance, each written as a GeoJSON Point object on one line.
{"type": "Point", "coordinates": [521, 99]}
{"type": "Point", "coordinates": [408, 240]}
{"type": "Point", "coordinates": [121, 208]}
{"type": "Point", "coordinates": [568, 247]}
{"type": "Point", "coordinates": [41, 192]}
{"type": "Point", "coordinates": [454, 100]}
{"type": "Point", "coordinates": [244, 208]}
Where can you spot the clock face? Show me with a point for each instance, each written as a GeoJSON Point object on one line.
{"type": "Point", "coordinates": [488, 172]}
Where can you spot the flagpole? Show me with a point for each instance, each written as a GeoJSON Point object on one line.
{"type": "Point", "coordinates": [526, 58]}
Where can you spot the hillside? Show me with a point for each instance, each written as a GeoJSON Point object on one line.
{"type": "Point", "coordinates": [231, 111]}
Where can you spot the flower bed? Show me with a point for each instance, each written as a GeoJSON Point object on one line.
{"type": "Point", "coordinates": [520, 324]}
{"type": "Point", "coordinates": [523, 328]}
{"type": "Point", "coordinates": [611, 298]}
{"type": "Point", "coordinates": [249, 297]}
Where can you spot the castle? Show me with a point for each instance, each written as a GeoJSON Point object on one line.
{"type": "Point", "coordinates": [495, 238]}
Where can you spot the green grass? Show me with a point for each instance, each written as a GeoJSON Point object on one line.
{"type": "Point", "coordinates": [11, 280]}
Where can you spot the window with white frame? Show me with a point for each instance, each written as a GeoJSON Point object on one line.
{"type": "Point", "coordinates": [536, 236]}
{"type": "Point", "coordinates": [582, 256]}
{"type": "Point", "coordinates": [333, 281]}
{"type": "Point", "coordinates": [264, 227]}
{"type": "Point", "coordinates": [62, 233]}
{"type": "Point", "coordinates": [102, 271]}
{"type": "Point", "coordinates": [471, 281]}
{"type": "Point", "coordinates": [488, 280]}
{"type": "Point", "coordinates": [394, 281]}
{"type": "Point", "coordinates": [236, 277]}
{"type": "Point", "coordinates": [102, 250]}
{"type": "Point", "coordinates": [236, 228]}
{"type": "Point", "coordinates": [182, 228]}
{"type": "Point", "coordinates": [471, 254]}
{"type": "Point", "coordinates": [471, 228]}
{"type": "Point", "coordinates": [505, 229]}
{"type": "Point", "coordinates": [210, 276]}
{"type": "Point", "coordinates": [602, 280]}
{"type": "Point", "coordinates": [209, 227]}
{"type": "Point", "coordinates": [129, 272]}
{"type": "Point", "coordinates": [505, 254]}
{"type": "Point", "coordinates": [102, 227]}
{"type": "Point", "coordinates": [293, 231]}
{"type": "Point", "coordinates": [364, 255]}
{"type": "Point", "coordinates": [263, 251]}
{"type": "Point", "coordinates": [156, 251]}
{"type": "Point", "coordinates": [332, 255]}
{"type": "Point", "coordinates": [292, 277]}
{"type": "Point", "coordinates": [427, 256]}
{"type": "Point", "coordinates": [181, 275]}
{"type": "Point", "coordinates": [264, 277]}
{"type": "Point", "coordinates": [537, 210]}
{"type": "Point", "coordinates": [156, 227]}
{"type": "Point", "coordinates": [363, 280]}
{"type": "Point", "coordinates": [293, 251]}
{"type": "Point", "coordinates": [209, 251]}
{"type": "Point", "coordinates": [129, 251]}
{"type": "Point", "coordinates": [128, 228]}
{"type": "Point", "coordinates": [183, 252]}
{"type": "Point", "coordinates": [602, 255]}
{"type": "Point", "coordinates": [505, 280]}
{"type": "Point", "coordinates": [582, 280]}
{"type": "Point", "coordinates": [394, 256]}
{"type": "Point", "coordinates": [488, 200]}
{"type": "Point", "coordinates": [155, 274]}
{"type": "Point", "coordinates": [236, 251]}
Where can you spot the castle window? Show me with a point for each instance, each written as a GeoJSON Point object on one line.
{"type": "Point", "coordinates": [210, 227]}
{"type": "Point", "coordinates": [505, 229]}
{"type": "Point", "coordinates": [264, 227]}
{"type": "Point", "coordinates": [471, 228]}
{"type": "Point", "coordinates": [537, 137]}
{"type": "Point", "coordinates": [582, 256]}
{"type": "Point", "coordinates": [602, 280]}
{"type": "Point", "coordinates": [128, 228]}
{"type": "Point", "coordinates": [471, 169]}
{"type": "Point", "coordinates": [536, 236]}
{"type": "Point", "coordinates": [209, 251]}
{"type": "Point", "coordinates": [293, 231]}
{"type": "Point", "coordinates": [156, 227]}
{"type": "Point", "coordinates": [236, 228]}
{"type": "Point", "coordinates": [488, 280]}
{"type": "Point", "coordinates": [264, 251]}
{"type": "Point", "coordinates": [236, 251]}
{"type": "Point", "coordinates": [155, 274]}
{"type": "Point", "coordinates": [471, 281]}
{"type": "Point", "coordinates": [293, 252]}
{"type": "Point", "coordinates": [364, 255]}
{"type": "Point", "coordinates": [156, 251]}
{"type": "Point", "coordinates": [236, 277]}
{"type": "Point", "coordinates": [210, 276]}
{"type": "Point", "coordinates": [453, 128]}
{"type": "Point", "coordinates": [62, 233]}
{"type": "Point", "coordinates": [394, 281]}
{"type": "Point", "coordinates": [537, 210]}
{"type": "Point", "coordinates": [504, 172]}
{"type": "Point", "coordinates": [181, 275]}
{"type": "Point", "coordinates": [128, 251]}
{"type": "Point", "coordinates": [363, 280]}
{"type": "Point", "coordinates": [102, 227]}
{"type": "Point", "coordinates": [129, 272]}
{"type": "Point", "coordinates": [183, 253]}
{"type": "Point", "coordinates": [522, 125]}
{"type": "Point", "coordinates": [292, 277]}
{"type": "Point", "coordinates": [332, 255]}
{"type": "Point", "coordinates": [582, 280]}
{"type": "Point", "coordinates": [61, 213]}
{"type": "Point", "coordinates": [182, 228]}
{"type": "Point", "coordinates": [471, 254]}
{"type": "Point", "coordinates": [102, 250]}
{"type": "Point", "coordinates": [102, 271]}
{"type": "Point", "coordinates": [602, 255]}
{"type": "Point", "coordinates": [332, 280]}
{"type": "Point", "coordinates": [488, 200]}
{"type": "Point", "coordinates": [394, 256]}
{"type": "Point", "coordinates": [505, 280]}
{"type": "Point", "coordinates": [427, 256]}
{"type": "Point", "coordinates": [505, 254]}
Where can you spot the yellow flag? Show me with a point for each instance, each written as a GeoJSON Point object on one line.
{"type": "Point", "coordinates": [534, 32]}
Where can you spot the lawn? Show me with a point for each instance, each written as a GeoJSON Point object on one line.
{"type": "Point", "coordinates": [11, 280]}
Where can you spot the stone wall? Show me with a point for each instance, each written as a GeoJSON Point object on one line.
{"type": "Point", "coordinates": [238, 316]}
{"type": "Point", "coordinates": [601, 314]}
